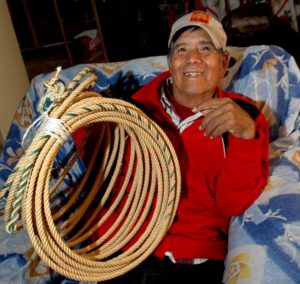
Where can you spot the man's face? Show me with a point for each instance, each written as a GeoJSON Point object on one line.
{"type": "Point", "coordinates": [196, 67]}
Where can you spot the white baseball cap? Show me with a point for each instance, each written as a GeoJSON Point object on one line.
{"type": "Point", "coordinates": [207, 22]}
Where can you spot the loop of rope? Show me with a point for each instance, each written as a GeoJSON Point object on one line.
{"type": "Point", "coordinates": [67, 237]}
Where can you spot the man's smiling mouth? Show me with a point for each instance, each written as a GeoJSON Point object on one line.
{"type": "Point", "coordinates": [193, 74]}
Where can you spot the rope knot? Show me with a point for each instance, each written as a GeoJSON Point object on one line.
{"type": "Point", "coordinates": [54, 90]}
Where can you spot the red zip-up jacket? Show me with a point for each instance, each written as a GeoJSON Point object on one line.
{"type": "Point", "coordinates": [218, 181]}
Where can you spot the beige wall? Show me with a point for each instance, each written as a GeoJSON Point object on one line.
{"type": "Point", "coordinates": [13, 77]}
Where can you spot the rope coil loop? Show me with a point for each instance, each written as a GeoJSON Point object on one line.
{"type": "Point", "coordinates": [67, 237]}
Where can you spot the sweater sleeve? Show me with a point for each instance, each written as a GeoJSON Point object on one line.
{"type": "Point", "coordinates": [245, 171]}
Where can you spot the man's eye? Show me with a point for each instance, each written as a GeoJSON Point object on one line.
{"type": "Point", "coordinates": [181, 50]}
{"type": "Point", "coordinates": [206, 48]}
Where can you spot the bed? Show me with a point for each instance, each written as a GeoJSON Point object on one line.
{"type": "Point", "coordinates": [264, 242]}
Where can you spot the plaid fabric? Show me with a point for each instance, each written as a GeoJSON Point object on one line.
{"type": "Point", "coordinates": [191, 261]}
{"type": "Point", "coordinates": [169, 108]}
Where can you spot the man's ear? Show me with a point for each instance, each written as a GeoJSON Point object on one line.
{"type": "Point", "coordinates": [169, 58]}
{"type": "Point", "coordinates": [226, 57]}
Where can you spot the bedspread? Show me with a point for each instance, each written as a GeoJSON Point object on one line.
{"type": "Point", "coordinates": [264, 242]}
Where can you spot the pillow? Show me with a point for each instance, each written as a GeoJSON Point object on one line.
{"type": "Point", "coordinates": [270, 76]}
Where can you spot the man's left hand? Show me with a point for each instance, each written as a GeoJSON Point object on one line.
{"type": "Point", "coordinates": [224, 115]}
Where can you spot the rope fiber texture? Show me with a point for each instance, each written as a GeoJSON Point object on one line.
{"type": "Point", "coordinates": [63, 235]}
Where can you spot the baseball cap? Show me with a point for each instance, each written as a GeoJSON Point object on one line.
{"type": "Point", "coordinates": [207, 22]}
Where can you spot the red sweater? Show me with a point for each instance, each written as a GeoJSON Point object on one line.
{"type": "Point", "coordinates": [214, 187]}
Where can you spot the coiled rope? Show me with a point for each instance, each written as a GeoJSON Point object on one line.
{"type": "Point", "coordinates": [64, 236]}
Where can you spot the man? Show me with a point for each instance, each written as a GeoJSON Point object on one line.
{"type": "Point", "coordinates": [221, 141]}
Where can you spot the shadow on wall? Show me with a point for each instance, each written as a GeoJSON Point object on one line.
{"type": "Point", "coordinates": [1, 142]}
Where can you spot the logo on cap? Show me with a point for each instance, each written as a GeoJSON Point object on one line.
{"type": "Point", "coordinates": [200, 17]}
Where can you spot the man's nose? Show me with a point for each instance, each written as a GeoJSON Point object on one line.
{"type": "Point", "coordinates": [195, 56]}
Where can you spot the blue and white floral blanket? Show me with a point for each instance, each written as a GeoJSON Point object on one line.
{"type": "Point", "coordinates": [264, 243]}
